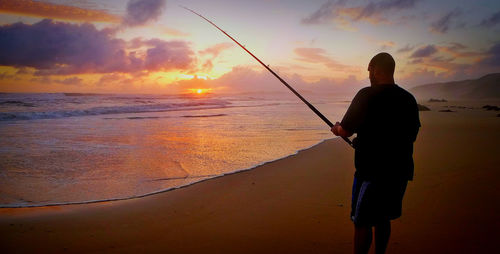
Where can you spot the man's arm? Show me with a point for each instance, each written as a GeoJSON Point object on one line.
{"type": "Point", "coordinates": [354, 115]}
{"type": "Point", "coordinates": [339, 131]}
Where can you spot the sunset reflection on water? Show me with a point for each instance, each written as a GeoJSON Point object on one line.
{"type": "Point", "coordinates": [97, 158]}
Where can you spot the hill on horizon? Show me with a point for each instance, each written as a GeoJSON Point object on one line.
{"type": "Point", "coordinates": [486, 87]}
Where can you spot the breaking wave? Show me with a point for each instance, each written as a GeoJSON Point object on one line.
{"type": "Point", "coordinates": [158, 107]}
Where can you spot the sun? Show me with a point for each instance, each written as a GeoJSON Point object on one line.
{"type": "Point", "coordinates": [200, 91]}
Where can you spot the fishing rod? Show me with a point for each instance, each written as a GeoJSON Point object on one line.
{"type": "Point", "coordinates": [276, 75]}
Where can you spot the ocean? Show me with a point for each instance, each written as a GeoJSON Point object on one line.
{"type": "Point", "coordinates": [66, 148]}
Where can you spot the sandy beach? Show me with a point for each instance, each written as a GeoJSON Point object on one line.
{"type": "Point", "coordinates": [299, 204]}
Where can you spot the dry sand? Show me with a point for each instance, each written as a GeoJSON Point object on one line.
{"type": "Point", "coordinates": [299, 204]}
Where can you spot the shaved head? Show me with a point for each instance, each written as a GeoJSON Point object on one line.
{"type": "Point", "coordinates": [381, 69]}
{"type": "Point", "coordinates": [384, 63]}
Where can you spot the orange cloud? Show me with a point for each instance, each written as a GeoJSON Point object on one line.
{"type": "Point", "coordinates": [344, 15]}
{"type": "Point", "coordinates": [172, 31]}
{"type": "Point", "coordinates": [56, 11]}
{"type": "Point", "coordinates": [387, 44]}
{"type": "Point", "coordinates": [318, 55]}
{"type": "Point", "coordinates": [452, 61]}
{"type": "Point", "coordinates": [356, 13]}
{"type": "Point", "coordinates": [460, 51]}
{"type": "Point", "coordinates": [216, 49]}
{"type": "Point", "coordinates": [247, 80]}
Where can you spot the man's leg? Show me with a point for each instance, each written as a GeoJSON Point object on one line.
{"type": "Point", "coordinates": [382, 234]}
{"type": "Point", "coordinates": [362, 239]}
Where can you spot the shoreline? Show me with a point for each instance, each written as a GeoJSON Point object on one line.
{"type": "Point", "coordinates": [299, 204]}
{"type": "Point", "coordinates": [163, 190]}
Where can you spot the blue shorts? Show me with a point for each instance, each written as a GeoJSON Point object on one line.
{"type": "Point", "coordinates": [375, 202]}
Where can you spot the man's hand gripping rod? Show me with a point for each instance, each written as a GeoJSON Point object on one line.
{"type": "Point", "coordinates": [276, 75]}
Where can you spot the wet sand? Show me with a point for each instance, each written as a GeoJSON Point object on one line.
{"type": "Point", "coordinates": [299, 204]}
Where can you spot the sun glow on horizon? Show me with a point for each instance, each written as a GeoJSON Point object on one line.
{"type": "Point", "coordinates": [200, 90]}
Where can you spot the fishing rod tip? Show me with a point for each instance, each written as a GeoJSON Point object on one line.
{"type": "Point", "coordinates": [184, 7]}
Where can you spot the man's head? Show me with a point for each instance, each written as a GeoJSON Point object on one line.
{"type": "Point", "coordinates": [381, 69]}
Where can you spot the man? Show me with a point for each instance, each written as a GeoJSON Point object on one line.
{"type": "Point", "coordinates": [385, 118]}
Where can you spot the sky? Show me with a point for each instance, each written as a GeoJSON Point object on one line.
{"type": "Point", "coordinates": [155, 46]}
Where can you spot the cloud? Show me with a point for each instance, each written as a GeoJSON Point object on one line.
{"type": "Point", "coordinates": [56, 11]}
{"type": "Point", "coordinates": [451, 50]}
{"type": "Point", "coordinates": [165, 55]}
{"type": "Point", "coordinates": [207, 66]}
{"type": "Point", "coordinates": [243, 79]}
{"type": "Point", "coordinates": [425, 51]}
{"type": "Point", "coordinates": [443, 24]}
{"type": "Point", "coordinates": [73, 81]}
{"type": "Point", "coordinates": [115, 79]}
{"type": "Point", "coordinates": [318, 55]}
{"type": "Point", "coordinates": [374, 8]}
{"type": "Point", "coordinates": [459, 50]}
{"type": "Point", "coordinates": [56, 48]}
{"type": "Point", "coordinates": [492, 21]}
{"type": "Point", "coordinates": [140, 12]}
{"type": "Point", "coordinates": [325, 13]}
{"type": "Point", "coordinates": [433, 63]}
{"type": "Point", "coordinates": [447, 60]}
{"type": "Point", "coordinates": [419, 77]}
{"type": "Point", "coordinates": [385, 45]}
{"type": "Point", "coordinates": [216, 49]}
{"type": "Point", "coordinates": [493, 56]}
{"type": "Point", "coordinates": [343, 15]}
{"type": "Point", "coordinates": [348, 86]}
{"type": "Point", "coordinates": [445, 56]}
{"type": "Point", "coordinates": [451, 61]}
{"type": "Point", "coordinates": [172, 31]}
{"type": "Point", "coordinates": [405, 49]}
{"type": "Point", "coordinates": [447, 72]}
{"type": "Point", "coordinates": [46, 80]}
{"type": "Point", "coordinates": [6, 75]}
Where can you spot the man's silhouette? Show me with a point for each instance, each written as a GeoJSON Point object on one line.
{"type": "Point", "coordinates": [385, 118]}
